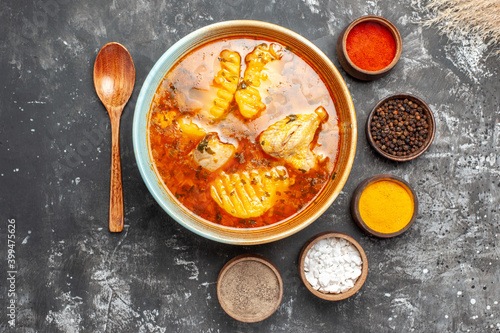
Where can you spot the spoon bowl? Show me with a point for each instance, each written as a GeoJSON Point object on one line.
{"type": "Point", "coordinates": [114, 79]}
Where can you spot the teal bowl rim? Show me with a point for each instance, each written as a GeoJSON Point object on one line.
{"type": "Point", "coordinates": [139, 127]}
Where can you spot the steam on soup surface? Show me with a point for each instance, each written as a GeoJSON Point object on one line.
{"type": "Point", "coordinates": [243, 132]}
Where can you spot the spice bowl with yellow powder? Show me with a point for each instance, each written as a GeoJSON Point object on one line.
{"type": "Point", "coordinates": [384, 206]}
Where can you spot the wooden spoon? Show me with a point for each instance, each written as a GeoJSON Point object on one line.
{"type": "Point", "coordinates": [114, 78]}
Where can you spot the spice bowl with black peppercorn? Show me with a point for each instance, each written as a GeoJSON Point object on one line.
{"type": "Point", "coordinates": [400, 127]}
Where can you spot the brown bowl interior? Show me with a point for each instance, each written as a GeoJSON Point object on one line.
{"type": "Point", "coordinates": [347, 128]}
{"type": "Point", "coordinates": [326, 296]}
{"type": "Point", "coordinates": [355, 205]}
{"type": "Point", "coordinates": [356, 71]}
{"type": "Point", "coordinates": [430, 136]}
{"type": "Point", "coordinates": [248, 318]}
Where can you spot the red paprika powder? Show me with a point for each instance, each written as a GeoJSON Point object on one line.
{"type": "Point", "coordinates": [371, 46]}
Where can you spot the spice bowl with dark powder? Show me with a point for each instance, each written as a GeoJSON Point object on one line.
{"type": "Point", "coordinates": [400, 127]}
{"type": "Point", "coordinates": [249, 288]}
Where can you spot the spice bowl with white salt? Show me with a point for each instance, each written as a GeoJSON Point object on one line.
{"type": "Point", "coordinates": [333, 266]}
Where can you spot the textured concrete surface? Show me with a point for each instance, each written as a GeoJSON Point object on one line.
{"type": "Point", "coordinates": [74, 276]}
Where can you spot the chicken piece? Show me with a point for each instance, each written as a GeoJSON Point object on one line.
{"type": "Point", "coordinates": [226, 81]}
{"type": "Point", "coordinates": [249, 194]}
{"type": "Point", "coordinates": [211, 153]}
{"type": "Point", "coordinates": [247, 96]}
{"type": "Point", "coordinates": [290, 138]}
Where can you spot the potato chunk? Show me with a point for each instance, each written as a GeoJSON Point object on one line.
{"type": "Point", "coordinates": [248, 96]}
{"type": "Point", "coordinates": [189, 128]}
{"type": "Point", "coordinates": [249, 194]}
{"type": "Point", "coordinates": [164, 119]}
{"type": "Point", "coordinates": [226, 81]}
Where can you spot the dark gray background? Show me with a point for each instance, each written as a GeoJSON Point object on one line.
{"type": "Point", "coordinates": [74, 276]}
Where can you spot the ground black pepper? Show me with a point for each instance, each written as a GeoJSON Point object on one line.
{"type": "Point", "coordinates": [399, 127]}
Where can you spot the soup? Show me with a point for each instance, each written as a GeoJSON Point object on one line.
{"type": "Point", "coordinates": [243, 132]}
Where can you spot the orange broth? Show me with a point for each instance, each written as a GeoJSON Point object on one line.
{"type": "Point", "coordinates": [292, 87]}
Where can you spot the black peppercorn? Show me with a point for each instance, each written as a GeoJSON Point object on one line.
{"type": "Point", "coordinates": [400, 127]}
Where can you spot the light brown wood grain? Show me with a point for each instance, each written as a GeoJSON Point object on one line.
{"type": "Point", "coordinates": [114, 79]}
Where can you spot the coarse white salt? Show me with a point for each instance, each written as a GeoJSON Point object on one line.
{"type": "Point", "coordinates": [332, 265]}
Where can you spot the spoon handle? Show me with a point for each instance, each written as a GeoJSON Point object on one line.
{"type": "Point", "coordinates": [116, 190]}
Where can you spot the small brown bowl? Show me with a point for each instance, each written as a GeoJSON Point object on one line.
{"type": "Point", "coordinates": [356, 71]}
{"type": "Point", "coordinates": [329, 296]}
{"type": "Point", "coordinates": [357, 195]}
{"type": "Point", "coordinates": [430, 121]}
{"type": "Point", "coordinates": [249, 288]}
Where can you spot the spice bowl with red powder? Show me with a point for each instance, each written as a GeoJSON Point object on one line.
{"type": "Point", "coordinates": [369, 47]}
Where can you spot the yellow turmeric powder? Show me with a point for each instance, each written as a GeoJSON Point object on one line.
{"type": "Point", "coordinates": [386, 206]}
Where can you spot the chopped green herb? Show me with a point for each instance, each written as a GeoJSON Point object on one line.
{"type": "Point", "coordinates": [245, 83]}
{"type": "Point", "coordinates": [240, 157]}
{"type": "Point", "coordinates": [247, 222]}
{"type": "Point", "coordinates": [202, 145]}
{"type": "Point", "coordinates": [291, 118]}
